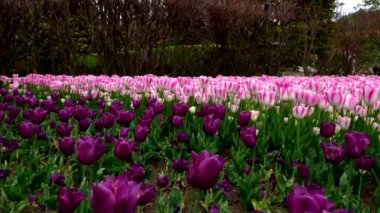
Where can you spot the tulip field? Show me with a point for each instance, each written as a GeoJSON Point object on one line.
{"type": "Point", "coordinates": [108, 144]}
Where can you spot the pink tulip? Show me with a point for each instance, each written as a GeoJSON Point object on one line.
{"type": "Point", "coordinates": [335, 98]}
{"type": "Point", "coordinates": [300, 111]}
{"type": "Point", "coordinates": [267, 98]}
{"type": "Point", "coordinates": [344, 122]}
{"type": "Point", "coordinates": [350, 102]}
{"type": "Point", "coordinates": [371, 95]}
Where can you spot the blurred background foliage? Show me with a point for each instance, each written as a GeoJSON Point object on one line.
{"type": "Point", "coordinates": [185, 37]}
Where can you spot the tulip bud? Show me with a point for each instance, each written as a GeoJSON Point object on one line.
{"type": "Point", "coordinates": [316, 130]}
{"type": "Point", "coordinates": [192, 109]}
{"type": "Point", "coordinates": [286, 120]}
{"type": "Point", "coordinates": [254, 115]}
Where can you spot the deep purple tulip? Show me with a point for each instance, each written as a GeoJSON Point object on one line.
{"type": "Point", "coordinates": [327, 129]}
{"type": "Point", "coordinates": [163, 181]}
{"type": "Point", "coordinates": [8, 146]}
{"type": "Point", "coordinates": [141, 133]}
{"type": "Point", "coordinates": [146, 195]}
{"type": "Point", "coordinates": [210, 125]}
{"type": "Point", "coordinates": [53, 125]}
{"type": "Point", "coordinates": [136, 103]}
{"type": "Point", "coordinates": [248, 136]}
{"type": "Point", "coordinates": [333, 152]}
{"type": "Point", "coordinates": [115, 107]}
{"type": "Point", "coordinates": [15, 92]}
{"type": "Point", "coordinates": [3, 91]}
{"type": "Point", "coordinates": [356, 143]}
{"type": "Point", "coordinates": [108, 120]}
{"type": "Point", "coordinates": [66, 146]}
{"type": "Point", "coordinates": [123, 132]}
{"type": "Point", "coordinates": [64, 129]}
{"type": "Point", "coordinates": [50, 105]}
{"type": "Point", "coordinates": [26, 114]}
{"type": "Point", "coordinates": [26, 129]}
{"type": "Point", "coordinates": [81, 113]}
{"type": "Point", "coordinates": [180, 165]}
{"type": "Point", "coordinates": [204, 171]}
{"type": "Point", "coordinates": [20, 100]}
{"type": "Point", "coordinates": [225, 186]}
{"type": "Point", "coordinates": [54, 96]}
{"type": "Point", "coordinates": [32, 198]}
{"type": "Point", "coordinates": [115, 194]}
{"type": "Point", "coordinates": [220, 112]}
{"type": "Point", "coordinates": [65, 114]}
{"type": "Point", "coordinates": [29, 94]}
{"type": "Point", "coordinates": [125, 117]}
{"type": "Point", "coordinates": [246, 170]}
{"type": "Point", "coordinates": [69, 199]}
{"type": "Point", "coordinates": [38, 115]}
{"type": "Point", "coordinates": [101, 103]}
{"type": "Point", "coordinates": [33, 103]}
{"type": "Point", "coordinates": [3, 173]}
{"type": "Point", "coordinates": [41, 135]}
{"type": "Point", "coordinates": [136, 172]}
{"type": "Point", "coordinates": [69, 103]}
{"type": "Point", "coordinates": [84, 124]}
{"type": "Point", "coordinates": [158, 107]}
{"type": "Point", "coordinates": [98, 125]}
{"type": "Point", "coordinates": [183, 137]}
{"type": "Point", "coordinates": [244, 118]}
{"type": "Point", "coordinates": [342, 211]}
{"type": "Point", "coordinates": [303, 199]}
{"type": "Point", "coordinates": [124, 149]}
{"type": "Point", "coordinates": [89, 149]}
{"type": "Point", "coordinates": [109, 138]}
{"type": "Point", "coordinates": [3, 106]}
{"type": "Point", "coordinates": [92, 114]}
{"type": "Point", "coordinates": [213, 208]}
{"type": "Point", "coordinates": [206, 110]}
{"type": "Point", "coordinates": [365, 162]}
{"type": "Point", "coordinates": [8, 98]}
{"type": "Point", "coordinates": [57, 178]}
{"type": "Point", "coordinates": [180, 109]}
{"type": "Point", "coordinates": [177, 121]}
{"type": "Point", "coordinates": [304, 170]}
{"type": "Point", "coordinates": [82, 100]}
{"type": "Point", "coordinates": [13, 112]}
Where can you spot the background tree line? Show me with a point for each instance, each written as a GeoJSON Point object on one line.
{"type": "Point", "coordinates": [182, 37]}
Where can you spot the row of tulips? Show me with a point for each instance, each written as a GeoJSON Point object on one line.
{"type": "Point", "coordinates": [160, 144]}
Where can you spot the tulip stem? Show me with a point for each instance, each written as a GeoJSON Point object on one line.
{"type": "Point", "coordinates": [360, 187]}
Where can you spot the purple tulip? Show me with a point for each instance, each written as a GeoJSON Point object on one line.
{"type": "Point", "coordinates": [26, 115]}
{"type": "Point", "coordinates": [41, 135]}
{"type": "Point", "coordinates": [356, 143]}
{"type": "Point", "coordinates": [115, 107]}
{"type": "Point", "coordinates": [101, 103]}
{"type": "Point", "coordinates": [177, 121]}
{"type": "Point", "coordinates": [204, 171]}
{"type": "Point", "coordinates": [69, 199]}
{"type": "Point", "coordinates": [303, 199]}
{"type": "Point", "coordinates": [163, 181]}
{"type": "Point", "coordinates": [3, 91]}
{"type": "Point", "coordinates": [26, 129]}
{"type": "Point", "coordinates": [158, 107]}
{"type": "Point", "coordinates": [81, 113]}
{"type": "Point", "coordinates": [82, 100]}
{"type": "Point", "coordinates": [220, 112]}
{"type": "Point", "coordinates": [50, 105]}
{"type": "Point", "coordinates": [342, 211]}
{"type": "Point", "coordinates": [98, 125]}
{"type": "Point", "coordinates": [108, 120]}
{"type": "Point", "coordinates": [8, 98]}
{"type": "Point", "coordinates": [333, 152]}
{"type": "Point", "coordinates": [89, 149]}
{"type": "Point", "coordinates": [13, 112]}
{"type": "Point", "coordinates": [244, 118]}
{"type": "Point", "coordinates": [92, 114]}
{"type": "Point", "coordinates": [136, 103]}
{"type": "Point", "coordinates": [64, 129]}
{"type": "Point", "coordinates": [38, 115]}
{"type": "Point", "coordinates": [210, 125]}
{"type": "Point", "coordinates": [123, 132]}
{"type": "Point", "coordinates": [84, 124]}
{"type": "Point", "coordinates": [3, 106]}
{"type": "Point", "coordinates": [125, 117]}
{"type": "Point", "coordinates": [248, 136]}
{"type": "Point", "coordinates": [365, 162]}
{"type": "Point", "coordinates": [33, 103]}
{"type": "Point", "coordinates": [141, 133]}
{"type": "Point", "coordinates": [20, 100]}
{"type": "Point", "coordinates": [124, 149]}
{"type": "Point", "coordinates": [206, 110]}
{"type": "Point", "coordinates": [65, 114]}
{"type": "Point", "coordinates": [136, 172]}
{"type": "Point", "coordinates": [69, 103]}
{"type": "Point", "coordinates": [1, 116]}
{"type": "Point", "coordinates": [180, 165]}
{"type": "Point", "coordinates": [246, 170]}
{"type": "Point", "coordinates": [8, 146]}
{"type": "Point", "coordinates": [183, 137]}
{"type": "Point", "coordinates": [66, 146]}
{"type": "Point", "coordinates": [54, 96]}
{"type": "Point", "coordinates": [109, 138]}
{"type": "Point", "coordinates": [304, 170]}
{"type": "Point", "coordinates": [146, 195]}
{"type": "Point", "coordinates": [32, 198]}
{"type": "Point", "coordinates": [3, 173]}
{"type": "Point", "coordinates": [180, 109]}
{"type": "Point", "coordinates": [57, 178]}
{"type": "Point", "coordinates": [213, 208]}
{"type": "Point", "coordinates": [327, 129]}
{"type": "Point", "coordinates": [225, 186]}
{"type": "Point", "coordinates": [115, 195]}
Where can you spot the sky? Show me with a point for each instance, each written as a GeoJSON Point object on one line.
{"type": "Point", "coordinates": [348, 5]}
